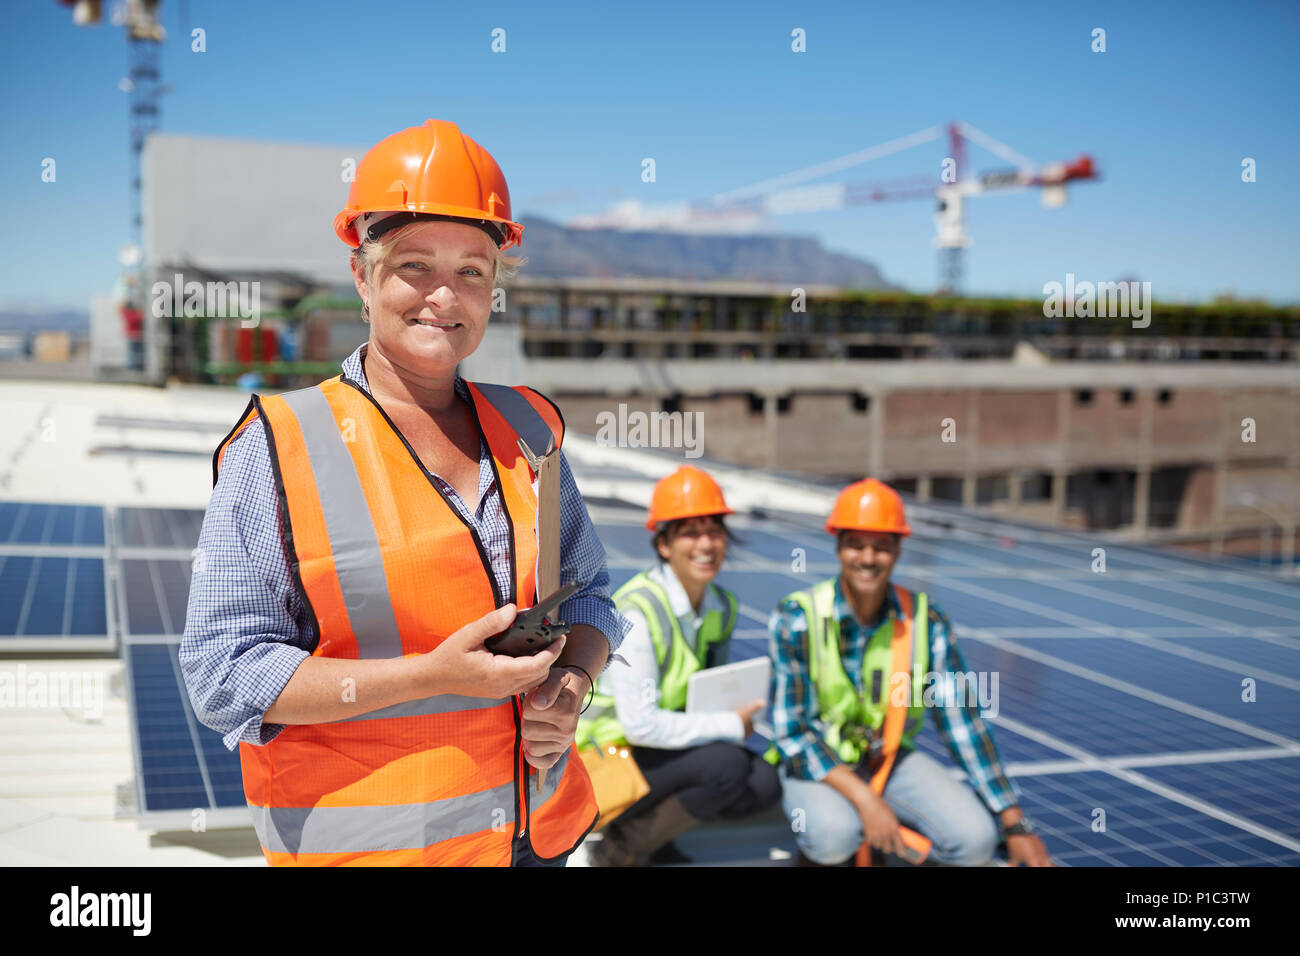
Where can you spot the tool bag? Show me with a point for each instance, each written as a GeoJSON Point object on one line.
{"type": "Point", "coordinates": [616, 778]}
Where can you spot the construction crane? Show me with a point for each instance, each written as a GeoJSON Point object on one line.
{"type": "Point", "coordinates": [143, 82]}
{"type": "Point", "coordinates": [743, 209]}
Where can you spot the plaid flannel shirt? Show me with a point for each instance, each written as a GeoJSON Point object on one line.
{"type": "Point", "coordinates": [798, 734]}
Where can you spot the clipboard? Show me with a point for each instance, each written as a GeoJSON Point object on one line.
{"type": "Point", "coordinates": [546, 484]}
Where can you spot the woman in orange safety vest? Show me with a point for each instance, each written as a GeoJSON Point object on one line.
{"type": "Point", "coordinates": [407, 515]}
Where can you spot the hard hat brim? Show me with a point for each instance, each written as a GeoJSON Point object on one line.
{"type": "Point", "coordinates": [655, 525]}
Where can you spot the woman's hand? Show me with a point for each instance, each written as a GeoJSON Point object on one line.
{"type": "Point", "coordinates": [551, 716]}
{"type": "Point", "coordinates": [463, 665]}
{"type": "Point", "coordinates": [748, 713]}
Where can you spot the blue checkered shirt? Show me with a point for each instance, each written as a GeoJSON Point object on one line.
{"type": "Point", "coordinates": [795, 709]}
{"type": "Point", "coordinates": [246, 628]}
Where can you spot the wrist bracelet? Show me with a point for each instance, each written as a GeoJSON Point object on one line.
{"type": "Point", "coordinates": [591, 682]}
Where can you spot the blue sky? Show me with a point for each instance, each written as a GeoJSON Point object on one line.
{"type": "Point", "coordinates": [713, 92]}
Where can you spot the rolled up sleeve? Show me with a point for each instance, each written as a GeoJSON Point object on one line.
{"type": "Point", "coordinates": [246, 631]}
{"type": "Point", "coordinates": [583, 559]}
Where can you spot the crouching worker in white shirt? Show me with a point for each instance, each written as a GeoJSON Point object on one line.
{"type": "Point", "coordinates": [697, 764]}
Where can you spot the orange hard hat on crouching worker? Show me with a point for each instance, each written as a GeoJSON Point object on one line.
{"type": "Point", "coordinates": [868, 505]}
{"type": "Point", "coordinates": [433, 171]}
{"type": "Point", "coordinates": [686, 493]}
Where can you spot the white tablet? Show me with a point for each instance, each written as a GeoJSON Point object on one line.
{"type": "Point", "coordinates": [729, 686]}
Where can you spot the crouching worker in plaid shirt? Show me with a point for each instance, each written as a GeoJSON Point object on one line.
{"type": "Point", "coordinates": [839, 650]}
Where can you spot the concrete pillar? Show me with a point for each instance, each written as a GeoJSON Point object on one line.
{"type": "Point", "coordinates": [1015, 489]}
{"type": "Point", "coordinates": [1142, 485]}
{"type": "Point", "coordinates": [1059, 478]}
{"type": "Point", "coordinates": [922, 488]}
{"type": "Point", "coordinates": [771, 424]}
{"type": "Point", "coordinates": [1288, 545]}
{"type": "Point", "coordinates": [1291, 506]}
{"type": "Point", "coordinates": [1227, 433]}
{"type": "Point", "coordinates": [1142, 499]}
{"type": "Point", "coordinates": [1061, 473]}
{"type": "Point", "coordinates": [876, 439]}
{"type": "Point", "coordinates": [968, 483]}
{"type": "Point", "coordinates": [1217, 514]}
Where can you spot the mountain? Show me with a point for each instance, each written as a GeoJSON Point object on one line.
{"type": "Point", "coordinates": [39, 320]}
{"type": "Point", "coordinates": [556, 251]}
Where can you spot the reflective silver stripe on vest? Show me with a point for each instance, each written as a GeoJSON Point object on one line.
{"type": "Point", "coordinates": [389, 827]}
{"type": "Point", "coordinates": [667, 623]}
{"type": "Point", "coordinates": [519, 415]}
{"type": "Point", "coordinates": [352, 537]}
{"type": "Point", "coordinates": [438, 704]}
{"type": "Point", "coordinates": [553, 778]}
{"type": "Point", "coordinates": [732, 605]}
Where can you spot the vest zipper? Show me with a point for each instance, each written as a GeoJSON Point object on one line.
{"type": "Point", "coordinates": [521, 766]}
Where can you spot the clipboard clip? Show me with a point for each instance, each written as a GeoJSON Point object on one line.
{"type": "Point", "coordinates": [534, 461]}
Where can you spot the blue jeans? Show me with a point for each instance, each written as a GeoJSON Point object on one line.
{"type": "Point", "coordinates": [922, 794]}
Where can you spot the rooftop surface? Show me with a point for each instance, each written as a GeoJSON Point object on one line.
{"type": "Point", "coordinates": [1160, 691]}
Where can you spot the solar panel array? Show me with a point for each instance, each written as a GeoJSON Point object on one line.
{"type": "Point", "coordinates": [1148, 712]}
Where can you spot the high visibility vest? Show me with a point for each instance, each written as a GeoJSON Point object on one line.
{"type": "Point", "coordinates": [845, 713]}
{"type": "Point", "coordinates": [678, 655]}
{"type": "Point", "coordinates": [387, 568]}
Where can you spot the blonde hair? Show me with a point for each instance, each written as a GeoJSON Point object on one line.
{"type": "Point", "coordinates": [373, 252]}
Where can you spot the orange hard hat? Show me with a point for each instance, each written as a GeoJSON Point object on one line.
{"type": "Point", "coordinates": [433, 170]}
{"type": "Point", "coordinates": [868, 505]}
{"type": "Point", "coordinates": [686, 493]}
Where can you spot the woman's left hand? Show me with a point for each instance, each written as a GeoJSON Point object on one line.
{"type": "Point", "coordinates": [551, 715]}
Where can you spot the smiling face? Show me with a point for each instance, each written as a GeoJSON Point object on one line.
{"type": "Point", "coordinates": [695, 549]}
{"type": "Point", "coordinates": [866, 560]}
{"type": "Point", "coordinates": [431, 297]}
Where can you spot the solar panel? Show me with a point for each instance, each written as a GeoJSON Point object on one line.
{"type": "Point", "coordinates": [1215, 686]}
{"type": "Point", "coordinates": [156, 593]}
{"type": "Point", "coordinates": [26, 523]}
{"type": "Point", "coordinates": [52, 602]}
{"type": "Point", "coordinates": [159, 527]}
{"type": "Point", "coordinates": [1264, 791]}
{"type": "Point", "coordinates": [1280, 653]}
{"type": "Point", "coordinates": [182, 766]}
{"type": "Point", "coordinates": [1095, 819]}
